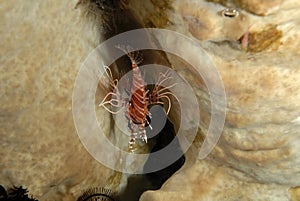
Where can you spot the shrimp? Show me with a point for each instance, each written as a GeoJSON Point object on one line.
{"type": "Point", "coordinates": [136, 106]}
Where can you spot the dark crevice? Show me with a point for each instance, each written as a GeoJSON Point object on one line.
{"type": "Point", "coordinates": [137, 184]}
{"type": "Point", "coordinates": [117, 19]}
{"type": "Point", "coordinates": [121, 20]}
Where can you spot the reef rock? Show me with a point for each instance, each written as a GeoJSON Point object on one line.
{"type": "Point", "coordinates": [257, 157]}
{"type": "Point", "coordinates": [258, 149]}
{"type": "Point", "coordinates": [41, 51]}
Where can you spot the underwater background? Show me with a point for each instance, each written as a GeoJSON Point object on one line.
{"type": "Point", "coordinates": [254, 46]}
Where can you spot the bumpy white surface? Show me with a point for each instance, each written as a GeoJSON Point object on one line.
{"type": "Point", "coordinates": [257, 157]}
{"type": "Point", "coordinates": [41, 50]}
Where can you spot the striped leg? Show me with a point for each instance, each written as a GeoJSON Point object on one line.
{"type": "Point", "coordinates": [142, 133]}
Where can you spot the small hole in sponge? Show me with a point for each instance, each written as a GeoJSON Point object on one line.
{"type": "Point", "coordinates": [230, 12]}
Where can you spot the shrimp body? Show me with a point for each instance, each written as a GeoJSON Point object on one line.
{"type": "Point", "coordinates": [137, 107]}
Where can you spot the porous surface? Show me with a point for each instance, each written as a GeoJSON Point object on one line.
{"type": "Point", "coordinates": [260, 139]}
{"type": "Point", "coordinates": [265, 7]}
{"type": "Point", "coordinates": [257, 157]}
{"type": "Point", "coordinates": [41, 50]}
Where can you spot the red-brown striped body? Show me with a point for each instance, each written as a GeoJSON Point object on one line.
{"type": "Point", "coordinates": [138, 106]}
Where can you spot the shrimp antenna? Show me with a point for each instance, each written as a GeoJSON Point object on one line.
{"type": "Point", "coordinates": [134, 55]}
